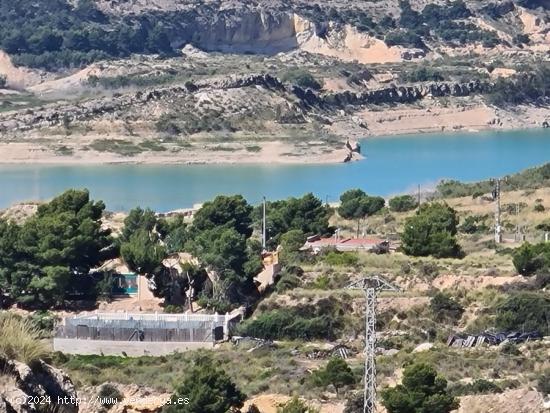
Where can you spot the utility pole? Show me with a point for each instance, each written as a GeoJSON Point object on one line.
{"type": "Point", "coordinates": [498, 229]}
{"type": "Point", "coordinates": [517, 236]}
{"type": "Point", "coordinates": [370, 286]}
{"type": "Point", "coordinates": [264, 230]}
{"type": "Point", "coordinates": [419, 195]}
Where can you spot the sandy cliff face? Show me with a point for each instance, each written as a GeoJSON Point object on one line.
{"type": "Point", "coordinates": [266, 33]}
{"type": "Point", "coordinates": [251, 32]}
{"type": "Point", "coordinates": [348, 44]}
{"type": "Point", "coordinates": [17, 77]}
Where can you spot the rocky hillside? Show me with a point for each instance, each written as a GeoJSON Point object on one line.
{"type": "Point", "coordinates": [363, 31]}
{"type": "Point", "coordinates": [232, 81]}
{"type": "Point", "coordinates": [35, 388]}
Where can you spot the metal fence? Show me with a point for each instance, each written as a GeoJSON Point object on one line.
{"type": "Point", "coordinates": [145, 327]}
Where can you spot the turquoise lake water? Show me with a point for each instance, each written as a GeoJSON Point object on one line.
{"type": "Point", "coordinates": [392, 165]}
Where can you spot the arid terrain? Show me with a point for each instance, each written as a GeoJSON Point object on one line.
{"type": "Point", "coordinates": [289, 83]}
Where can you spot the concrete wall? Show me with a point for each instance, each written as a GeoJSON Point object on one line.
{"type": "Point", "coordinates": [144, 293]}
{"type": "Point", "coordinates": [130, 348]}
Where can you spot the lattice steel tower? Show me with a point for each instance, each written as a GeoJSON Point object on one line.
{"type": "Point", "coordinates": [371, 285]}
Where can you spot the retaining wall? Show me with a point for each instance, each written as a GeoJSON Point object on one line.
{"type": "Point", "coordinates": [119, 348]}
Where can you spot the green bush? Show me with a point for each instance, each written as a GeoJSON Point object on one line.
{"type": "Point", "coordinates": [422, 74]}
{"type": "Point", "coordinates": [432, 231]}
{"type": "Point", "coordinates": [529, 259]}
{"type": "Point", "coordinates": [173, 309]}
{"type": "Point", "coordinates": [543, 382]}
{"type": "Point", "coordinates": [473, 224]}
{"type": "Point", "coordinates": [287, 282]}
{"type": "Point", "coordinates": [531, 178]}
{"type": "Point", "coordinates": [302, 78]}
{"type": "Point", "coordinates": [3, 81]}
{"type": "Point", "coordinates": [422, 390]}
{"type": "Point", "coordinates": [341, 259]}
{"type": "Point", "coordinates": [445, 307]}
{"type": "Point", "coordinates": [407, 38]}
{"type": "Point", "coordinates": [167, 124]}
{"type": "Point", "coordinates": [336, 373]}
{"type": "Point", "coordinates": [286, 324]}
{"type": "Point", "coordinates": [20, 339]}
{"type": "Point", "coordinates": [524, 311]}
{"type": "Point", "coordinates": [207, 388]}
{"type": "Point", "coordinates": [109, 395]}
{"type": "Point", "coordinates": [403, 203]}
{"type": "Point", "coordinates": [44, 321]}
{"type": "Point", "coordinates": [356, 204]}
{"type": "Point", "coordinates": [510, 349]}
{"type": "Point", "coordinates": [290, 278]}
{"type": "Point", "coordinates": [296, 405]}
{"type": "Point", "coordinates": [306, 322]}
{"type": "Point", "coordinates": [528, 86]}
{"type": "Point", "coordinates": [53, 34]}
{"type": "Point", "coordinates": [479, 386]}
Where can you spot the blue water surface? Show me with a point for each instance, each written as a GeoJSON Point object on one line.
{"type": "Point", "coordinates": [392, 165]}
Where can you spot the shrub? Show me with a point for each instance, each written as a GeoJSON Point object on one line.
{"type": "Point", "coordinates": [287, 282]}
{"type": "Point", "coordinates": [422, 390]}
{"type": "Point", "coordinates": [445, 307]}
{"type": "Point", "coordinates": [301, 78]}
{"type": "Point", "coordinates": [320, 321]}
{"type": "Point", "coordinates": [296, 405]}
{"type": "Point", "coordinates": [342, 259]}
{"type": "Point", "coordinates": [543, 382]}
{"type": "Point", "coordinates": [173, 309]}
{"type": "Point", "coordinates": [403, 203]}
{"type": "Point", "coordinates": [529, 86]}
{"type": "Point", "coordinates": [539, 208]}
{"type": "Point", "coordinates": [510, 349]}
{"type": "Point", "coordinates": [529, 259]}
{"type": "Point", "coordinates": [20, 339]}
{"type": "Point", "coordinates": [279, 324]}
{"type": "Point", "coordinates": [432, 232]}
{"type": "Point", "coordinates": [356, 204]}
{"type": "Point", "coordinates": [289, 279]}
{"type": "Point", "coordinates": [3, 81]}
{"type": "Point", "coordinates": [207, 388]}
{"type": "Point", "coordinates": [109, 395]}
{"type": "Point", "coordinates": [473, 225]}
{"type": "Point", "coordinates": [423, 74]}
{"type": "Point", "coordinates": [166, 124]}
{"type": "Point", "coordinates": [542, 280]}
{"type": "Point", "coordinates": [428, 270]}
{"type": "Point", "coordinates": [525, 311]}
{"type": "Point", "coordinates": [44, 321]}
{"type": "Point", "coordinates": [336, 373]}
{"type": "Point", "coordinates": [407, 38]}
{"type": "Point", "coordinates": [479, 386]}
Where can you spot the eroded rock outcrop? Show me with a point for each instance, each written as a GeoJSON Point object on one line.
{"type": "Point", "coordinates": [28, 389]}
{"type": "Point", "coordinates": [118, 106]}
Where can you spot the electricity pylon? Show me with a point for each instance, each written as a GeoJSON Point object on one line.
{"type": "Point", "coordinates": [371, 286]}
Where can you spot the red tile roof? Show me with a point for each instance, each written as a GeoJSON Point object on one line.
{"type": "Point", "coordinates": [325, 242]}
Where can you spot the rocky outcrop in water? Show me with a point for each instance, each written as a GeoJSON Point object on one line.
{"type": "Point", "coordinates": [35, 388]}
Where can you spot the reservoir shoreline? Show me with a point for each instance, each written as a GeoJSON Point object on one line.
{"type": "Point", "coordinates": [389, 124]}
{"type": "Point", "coordinates": [396, 165]}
